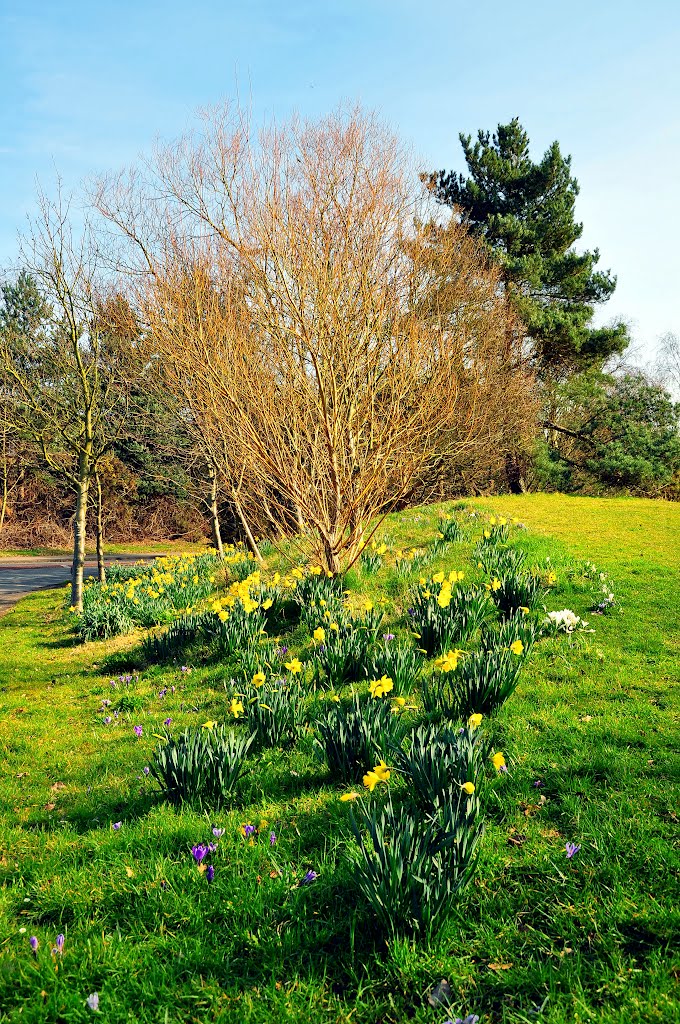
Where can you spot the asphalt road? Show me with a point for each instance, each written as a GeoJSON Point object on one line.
{"type": "Point", "coordinates": [21, 576]}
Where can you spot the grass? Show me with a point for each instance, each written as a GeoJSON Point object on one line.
{"type": "Point", "coordinates": [537, 937]}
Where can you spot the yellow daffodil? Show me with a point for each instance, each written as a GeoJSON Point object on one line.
{"type": "Point", "coordinates": [551, 579]}
{"type": "Point", "coordinates": [371, 780]}
{"type": "Point", "coordinates": [498, 761]}
{"type": "Point", "coordinates": [319, 634]}
{"type": "Point", "coordinates": [502, 521]}
{"type": "Point", "coordinates": [223, 616]}
{"type": "Point", "coordinates": [368, 606]}
{"type": "Point", "coordinates": [475, 720]}
{"type": "Point", "coordinates": [294, 666]}
{"type": "Point", "coordinates": [334, 626]}
{"type": "Point", "coordinates": [438, 577]}
{"type": "Point", "coordinates": [258, 679]}
{"type": "Point", "coordinates": [399, 701]}
{"type": "Point", "coordinates": [487, 534]}
{"type": "Point", "coordinates": [381, 687]}
{"type": "Point", "coordinates": [522, 608]}
{"type": "Point", "coordinates": [449, 662]}
{"type": "Point", "coordinates": [315, 570]}
{"type": "Point", "coordinates": [382, 771]}
{"type": "Point", "coordinates": [350, 796]}
{"type": "Point", "coordinates": [208, 725]}
{"type": "Point", "coordinates": [235, 708]}
{"type": "Point", "coordinates": [267, 604]}
{"type": "Point", "coordinates": [492, 521]}
{"type": "Point", "coordinates": [468, 787]}
{"type": "Point", "coordinates": [516, 647]}
{"type": "Point", "coordinates": [444, 598]}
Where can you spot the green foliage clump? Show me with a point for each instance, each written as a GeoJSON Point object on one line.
{"type": "Point", "coordinates": [409, 866]}
{"type": "Point", "coordinates": [444, 618]}
{"type": "Point", "coordinates": [436, 763]}
{"type": "Point", "coordinates": [275, 713]}
{"type": "Point", "coordinates": [353, 734]}
{"type": "Point", "coordinates": [201, 766]}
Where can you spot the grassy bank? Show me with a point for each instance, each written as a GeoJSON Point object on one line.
{"type": "Point", "coordinates": [591, 743]}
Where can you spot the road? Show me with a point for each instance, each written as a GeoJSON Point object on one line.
{"type": "Point", "coordinates": [23, 575]}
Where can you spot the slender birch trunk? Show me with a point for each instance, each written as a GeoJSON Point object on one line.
{"type": "Point", "coordinates": [213, 507]}
{"type": "Point", "coordinates": [101, 568]}
{"type": "Point", "coordinates": [79, 531]}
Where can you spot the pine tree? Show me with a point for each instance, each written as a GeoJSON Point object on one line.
{"type": "Point", "coordinates": [524, 211]}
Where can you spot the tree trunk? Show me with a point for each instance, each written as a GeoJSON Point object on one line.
{"type": "Point", "coordinates": [252, 544]}
{"type": "Point", "coordinates": [215, 513]}
{"type": "Point", "coordinates": [79, 528]}
{"type": "Point", "coordinates": [101, 569]}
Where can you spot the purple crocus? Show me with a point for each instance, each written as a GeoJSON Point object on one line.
{"type": "Point", "coordinates": [33, 943]}
{"type": "Point", "coordinates": [185, 668]}
{"type": "Point", "coordinates": [571, 849]}
{"type": "Point", "coordinates": [272, 838]}
{"type": "Point", "coordinates": [116, 825]}
{"type": "Point", "coordinates": [212, 847]}
{"type": "Point", "coordinates": [61, 939]}
{"type": "Point", "coordinates": [388, 636]}
{"type": "Point", "coordinates": [93, 1001]}
{"type": "Point", "coordinates": [310, 877]}
{"type": "Point", "coordinates": [472, 1018]}
{"type": "Point", "coordinates": [248, 831]}
{"type": "Point", "coordinates": [107, 720]}
{"type": "Point", "coordinates": [199, 852]}
{"type": "Point", "coordinates": [538, 784]}
{"type": "Point", "coordinates": [162, 693]}
{"type": "Point", "coordinates": [138, 730]}
{"type": "Point", "coordinates": [210, 872]}
{"type": "Point", "coordinates": [282, 652]}
{"type": "Point", "coordinates": [146, 769]}
{"type": "Point", "coordinates": [167, 721]}
{"type": "Point", "coordinates": [218, 833]}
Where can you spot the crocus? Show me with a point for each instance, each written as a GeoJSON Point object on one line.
{"type": "Point", "coordinates": [272, 838]}
{"type": "Point", "coordinates": [472, 1018]}
{"type": "Point", "coordinates": [571, 849]}
{"type": "Point", "coordinates": [218, 833]}
{"type": "Point", "coordinates": [116, 825]}
{"type": "Point", "coordinates": [310, 877]}
{"type": "Point", "coordinates": [93, 1001]}
{"type": "Point", "coordinates": [388, 636]}
{"type": "Point", "coordinates": [248, 830]}
{"type": "Point", "coordinates": [199, 852]}
{"type": "Point", "coordinates": [167, 721]}
{"type": "Point", "coordinates": [61, 939]}
{"type": "Point", "coordinates": [146, 769]}
{"type": "Point", "coordinates": [538, 783]}
{"type": "Point", "coordinates": [210, 872]}
{"type": "Point", "coordinates": [33, 942]}
{"type": "Point", "coordinates": [138, 730]}
{"type": "Point", "coordinates": [107, 720]}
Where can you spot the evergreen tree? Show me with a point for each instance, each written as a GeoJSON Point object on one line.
{"type": "Point", "coordinates": [524, 211]}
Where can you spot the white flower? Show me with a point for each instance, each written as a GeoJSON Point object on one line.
{"type": "Point", "coordinates": [566, 621]}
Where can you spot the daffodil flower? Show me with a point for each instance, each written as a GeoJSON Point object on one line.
{"type": "Point", "coordinates": [475, 720]}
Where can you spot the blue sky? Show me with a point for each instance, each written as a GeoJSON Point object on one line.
{"type": "Point", "coordinates": [87, 87]}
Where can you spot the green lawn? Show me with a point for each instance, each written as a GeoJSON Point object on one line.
{"type": "Point", "coordinates": [537, 937]}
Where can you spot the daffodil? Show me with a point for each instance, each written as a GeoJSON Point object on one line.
{"type": "Point", "coordinates": [438, 577]}
{"type": "Point", "coordinates": [444, 598]}
{"type": "Point", "coordinates": [315, 570]}
{"type": "Point", "coordinates": [517, 647]}
{"type": "Point", "coordinates": [381, 687]}
{"type": "Point", "coordinates": [468, 787]}
{"type": "Point", "coordinates": [294, 666]}
{"type": "Point", "coordinates": [382, 771]}
{"type": "Point", "coordinates": [258, 679]}
{"type": "Point", "coordinates": [235, 708]}
{"type": "Point", "coordinates": [350, 796]}
{"type": "Point", "coordinates": [475, 720]}
{"type": "Point", "coordinates": [371, 780]}
{"type": "Point", "coordinates": [487, 534]}
{"type": "Point", "coordinates": [399, 701]}
{"type": "Point", "coordinates": [498, 761]}
{"type": "Point", "coordinates": [449, 662]}
{"type": "Point", "coordinates": [211, 725]}
{"type": "Point", "coordinates": [267, 604]}
{"type": "Point", "coordinates": [319, 634]}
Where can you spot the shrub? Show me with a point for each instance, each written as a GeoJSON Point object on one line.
{"type": "Point", "coordinates": [202, 766]}
{"type": "Point", "coordinates": [401, 662]}
{"type": "Point", "coordinates": [444, 618]}
{"type": "Point", "coordinates": [438, 761]}
{"type": "Point", "coordinates": [275, 713]}
{"type": "Point", "coordinates": [517, 626]}
{"type": "Point", "coordinates": [517, 590]}
{"type": "Point", "coordinates": [408, 867]}
{"type": "Point", "coordinates": [103, 619]}
{"type": "Point", "coordinates": [481, 683]}
{"type": "Point", "coordinates": [352, 735]}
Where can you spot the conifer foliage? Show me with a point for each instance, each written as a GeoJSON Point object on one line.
{"type": "Point", "coordinates": [524, 211]}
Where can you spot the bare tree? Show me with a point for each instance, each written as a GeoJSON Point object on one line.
{"type": "Point", "coordinates": [70, 380]}
{"type": "Point", "coordinates": [336, 345]}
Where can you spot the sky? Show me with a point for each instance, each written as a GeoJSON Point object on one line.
{"type": "Point", "coordinates": [86, 88]}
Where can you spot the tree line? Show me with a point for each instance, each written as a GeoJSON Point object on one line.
{"type": "Point", "coordinates": [292, 333]}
